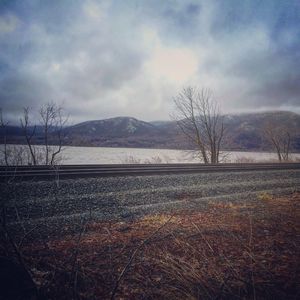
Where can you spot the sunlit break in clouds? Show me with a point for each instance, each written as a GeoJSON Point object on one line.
{"type": "Point", "coordinates": [103, 59]}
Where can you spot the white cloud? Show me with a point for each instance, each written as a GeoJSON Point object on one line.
{"type": "Point", "coordinates": [109, 58]}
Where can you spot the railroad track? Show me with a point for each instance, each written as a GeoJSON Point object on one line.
{"type": "Point", "coordinates": [73, 171]}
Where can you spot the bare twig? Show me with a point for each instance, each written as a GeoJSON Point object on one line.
{"type": "Point", "coordinates": [110, 252]}
{"type": "Point", "coordinates": [75, 264]}
{"type": "Point", "coordinates": [18, 255]}
{"type": "Point", "coordinates": [133, 254]}
{"type": "Point", "coordinates": [251, 259]}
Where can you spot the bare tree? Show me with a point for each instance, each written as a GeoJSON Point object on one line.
{"type": "Point", "coordinates": [9, 154]}
{"type": "Point", "coordinates": [198, 117]}
{"type": "Point", "coordinates": [280, 138]}
{"type": "Point", "coordinates": [3, 126]}
{"type": "Point", "coordinates": [29, 134]}
{"type": "Point", "coordinates": [52, 120]}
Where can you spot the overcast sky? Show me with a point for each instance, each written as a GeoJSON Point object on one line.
{"type": "Point", "coordinates": [104, 59]}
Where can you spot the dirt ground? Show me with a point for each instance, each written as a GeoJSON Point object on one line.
{"type": "Point", "coordinates": [229, 250]}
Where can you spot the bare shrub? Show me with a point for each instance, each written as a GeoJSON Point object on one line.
{"type": "Point", "coordinates": [157, 159]}
{"type": "Point", "coordinates": [154, 160]}
{"type": "Point", "coordinates": [130, 159]}
{"type": "Point", "coordinates": [245, 160]}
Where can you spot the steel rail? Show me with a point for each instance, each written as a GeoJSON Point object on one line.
{"type": "Point", "coordinates": [73, 171]}
{"type": "Point", "coordinates": [111, 166]}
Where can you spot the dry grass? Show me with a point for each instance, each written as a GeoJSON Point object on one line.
{"type": "Point", "coordinates": [264, 196]}
{"type": "Point", "coordinates": [227, 251]}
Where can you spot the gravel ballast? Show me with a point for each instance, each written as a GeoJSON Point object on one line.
{"type": "Point", "coordinates": [64, 204]}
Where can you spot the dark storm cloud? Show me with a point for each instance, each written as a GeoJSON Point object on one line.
{"type": "Point", "coordinates": [49, 55]}
{"type": "Point", "coordinates": [273, 75]}
{"type": "Point", "coordinates": [108, 58]}
{"type": "Point", "coordinates": [281, 91]}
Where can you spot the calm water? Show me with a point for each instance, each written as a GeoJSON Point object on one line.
{"type": "Point", "coordinates": [102, 155]}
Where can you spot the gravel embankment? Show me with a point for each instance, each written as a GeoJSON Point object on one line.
{"type": "Point", "coordinates": [48, 205]}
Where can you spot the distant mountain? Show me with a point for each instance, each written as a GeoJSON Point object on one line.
{"type": "Point", "coordinates": [114, 132]}
{"type": "Point", "coordinates": [113, 127]}
{"type": "Point", "coordinates": [244, 132]}
{"type": "Point", "coordinates": [11, 131]}
{"type": "Point", "coordinates": [15, 134]}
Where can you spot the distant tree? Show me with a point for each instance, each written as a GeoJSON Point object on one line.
{"type": "Point", "coordinates": [198, 117]}
{"type": "Point", "coordinates": [3, 126]}
{"type": "Point", "coordinates": [10, 154]}
{"type": "Point", "coordinates": [279, 137]}
{"type": "Point", "coordinates": [52, 121]}
{"type": "Point", "coordinates": [29, 134]}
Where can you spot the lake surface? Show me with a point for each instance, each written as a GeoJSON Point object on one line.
{"type": "Point", "coordinates": [105, 155]}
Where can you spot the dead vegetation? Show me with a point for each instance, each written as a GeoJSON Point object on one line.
{"type": "Point", "coordinates": [230, 250]}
